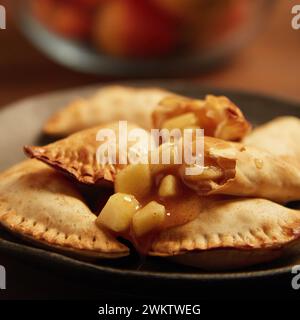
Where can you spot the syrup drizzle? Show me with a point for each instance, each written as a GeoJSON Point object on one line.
{"type": "Point", "coordinates": [180, 210]}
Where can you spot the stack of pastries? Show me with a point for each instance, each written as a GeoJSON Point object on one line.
{"type": "Point", "coordinates": [230, 215]}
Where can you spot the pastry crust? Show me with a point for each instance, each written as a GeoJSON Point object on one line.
{"type": "Point", "coordinates": [218, 116]}
{"type": "Point", "coordinates": [108, 104]}
{"type": "Point", "coordinates": [256, 229]}
{"type": "Point", "coordinates": [40, 205]}
{"type": "Point", "coordinates": [248, 172]}
{"type": "Point", "coordinates": [76, 156]}
{"type": "Point", "coordinates": [279, 137]}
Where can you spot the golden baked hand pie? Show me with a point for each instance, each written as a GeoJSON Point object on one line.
{"type": "Point", "coordinates": [240, 170]}
{"type": "Point", "coordinates": [77, 155]}
{"type": "Point", "coordinates": [232, 233]}
{"type": "Point", "coordinates": [218, 116]}
{"type": "Point", "coordinates": [279, 137]}
{"type": "Point", "coordinates": [109, 104]}
{"type": "Point", "coordinates": [42, 206]}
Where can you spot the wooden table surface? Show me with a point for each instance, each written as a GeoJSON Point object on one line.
{"type": "Point", "coordinates": [269, 64]}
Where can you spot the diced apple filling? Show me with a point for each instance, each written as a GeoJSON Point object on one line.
{"type": "Point", "coordinates": [135, 180]}
{"type": "Point", "coordinates": [208, 173]}
{"type": "Point", "coordinates": [187, 120]}
{"type": "Point", "coordinates": [118, 212]}
{"type": "Point", "coordinates": [148, 218]}
{"type": "Point", "coordinates": [168, 187]}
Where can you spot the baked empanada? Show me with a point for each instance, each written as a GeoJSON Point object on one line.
{"type": "Point", "coordinates": [218, 116]}
{"type": "Point", "coordinates": [109, 104]}
{"type": "Point", "coordinates": [231, 233]}
{"type": "Point", "coordinates": [77, 155]}
{"type": "Point", "coordinates": [40, 205]}
{"type": "Point", "coordinates": [279, 137]}
{"type": "Point", "coordinates": [240, 170]}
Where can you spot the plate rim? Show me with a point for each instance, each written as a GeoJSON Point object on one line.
{"type": "Point", "coordinates": [14, 248]}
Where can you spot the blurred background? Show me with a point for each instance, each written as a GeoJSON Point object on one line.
{"type": "Point", "coordinates": [56, 44]}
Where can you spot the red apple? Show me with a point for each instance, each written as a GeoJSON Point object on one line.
{"type": "Point", "coordinates": [133, 29]}
{"type": "Point", "coordinates": [43, 10]}
{"type": "Point", "coordinates": [84, 4]}
{"type": "Point", "coordinates": [63, 17]}
{"type": "Point", "coordinates": [71, 22]}
{"type": "Point", "coordinates": [89, 4]}
{"type": "Point", "coordinates": [180, 9]}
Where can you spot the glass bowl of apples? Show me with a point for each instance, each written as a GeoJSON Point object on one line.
{"type": "Point", "coordinates": [141, 37]}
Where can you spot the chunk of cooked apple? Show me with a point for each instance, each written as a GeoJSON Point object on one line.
{"type": "Point", "coordinates": [208, 173]}
{"type": "Point", "coordinates": [135, 179]}
{"type": "Point", "coordinates": [118, 212]}
{"type": "Point", "coordinates": [168, 186]}
{"type": "Point", "coordinates": [184, 121]}
{"type": "Point", "coordinates": [148, 219]}
{"type": "Point", "coordinates": [134, 29]}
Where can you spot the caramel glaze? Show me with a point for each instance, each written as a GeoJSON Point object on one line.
{"type": "Point", "coordinates": [180, 210]}
{"type": "Point", "coordinates": [186, 205]}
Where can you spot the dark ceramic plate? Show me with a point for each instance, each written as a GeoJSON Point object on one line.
{"type": "Point", "coordinates": [21, 124]}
